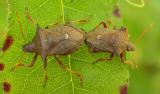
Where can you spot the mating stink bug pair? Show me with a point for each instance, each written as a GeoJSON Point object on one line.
{"type": "Point", "coordinates": [65, 39]}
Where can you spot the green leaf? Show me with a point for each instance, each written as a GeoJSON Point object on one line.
{"type": "Point", "coordinates": [3, 20]}
{"type": "Point", "coordinates": [101, 78]}
{"type": "Point", "coordinates": [3, 15]}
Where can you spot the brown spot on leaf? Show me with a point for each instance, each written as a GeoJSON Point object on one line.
{"type": "Point", "coordinates": [124, 89]}
{"type": "Point", "coordinates": [1, 66]}
{"type": "Point", "coordinates": [116, 12]}
{"type": "Point", "coordinates": [6, 87]}
{"type": "Point", "coordinates": [8, 42]}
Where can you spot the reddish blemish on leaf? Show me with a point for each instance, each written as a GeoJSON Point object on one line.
{"type": "Point", "coordinates": [116, 12]}
{"type": "Point", "coordinates": [1, 66]}
{"type": "Point", "coordinates": [124, 89]}
{"type": "Point", "coordinates": [6, 87]}
{"type": "Point", "coordinates": [8, 42]}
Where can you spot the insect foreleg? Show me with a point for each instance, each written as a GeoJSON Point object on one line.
{"type": "Point", "coordinates": [104, 59]}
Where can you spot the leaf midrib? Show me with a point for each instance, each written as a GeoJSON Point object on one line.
{"type": "Point", "coordinates": [69, 56]}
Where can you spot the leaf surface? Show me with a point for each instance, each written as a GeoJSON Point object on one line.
{"type": "Point", "coordinates": [101, 78]}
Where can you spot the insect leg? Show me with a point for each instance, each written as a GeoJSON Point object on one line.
{"type": "Point", "coordinates": [104, 59]}
{"type": "Point", "coordinates": [26, 65]}
{"type": "Point", "coordinates": [67, 69]}
{"type": "Point", "coordinates": [101, 23]}
{"type": "Point", "coordinates": [30, 17]}
{"type": "Point", "coordinates": [132, 64]}
{"type": "Point", "coordinates": [122, 56]}
{"type": "Point", "coordinates": [33, 61]}
{"type": "Point", "coordinates": [128, 62]}
{"type": "Point", "coordinates": [79, 21]}
{"type": "Point", "coordinates": [54, 24]}
{"type": "Point", "coordinates": [45, 71]}
{"type": "Point", "coordinates": [110, 22]}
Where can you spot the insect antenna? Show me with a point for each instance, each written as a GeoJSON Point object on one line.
{"type": "Point", "coordinates": [30, 17]}
{"type": "Point", "coordinates": [142, 33]}
{"type": "Point", "coordinates": [18, 17]}
{"type": "Point", "coordinates": [52, 25]}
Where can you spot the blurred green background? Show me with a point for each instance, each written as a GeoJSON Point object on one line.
{"type": "Point", "coordinates": [146, 78]}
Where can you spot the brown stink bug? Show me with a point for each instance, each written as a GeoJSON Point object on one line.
{"type": "Point", "coordinates": [114, 41]}
{"type": "Point", "coordinates": [106, 40]}
{"type": "Point", "coordinates": [56, 41]}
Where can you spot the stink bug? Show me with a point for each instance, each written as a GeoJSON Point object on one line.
{"type": "Point", "coordinates": [114, 41]}
{"type": "Point", "coordinates": [56, 41]}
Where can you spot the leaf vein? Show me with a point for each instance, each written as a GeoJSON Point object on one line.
{"type": "Point", "coordinates": [39, 6]}
{"type": "Point", "coordinates": [51, 92]}
{"type": "Point", "coordinates": [87, 90]}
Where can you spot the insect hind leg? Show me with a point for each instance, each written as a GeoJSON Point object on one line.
{"type": "Point", "coordinates": [69, 70]}
{"type": "Point", "coordinates": [45, 72]}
